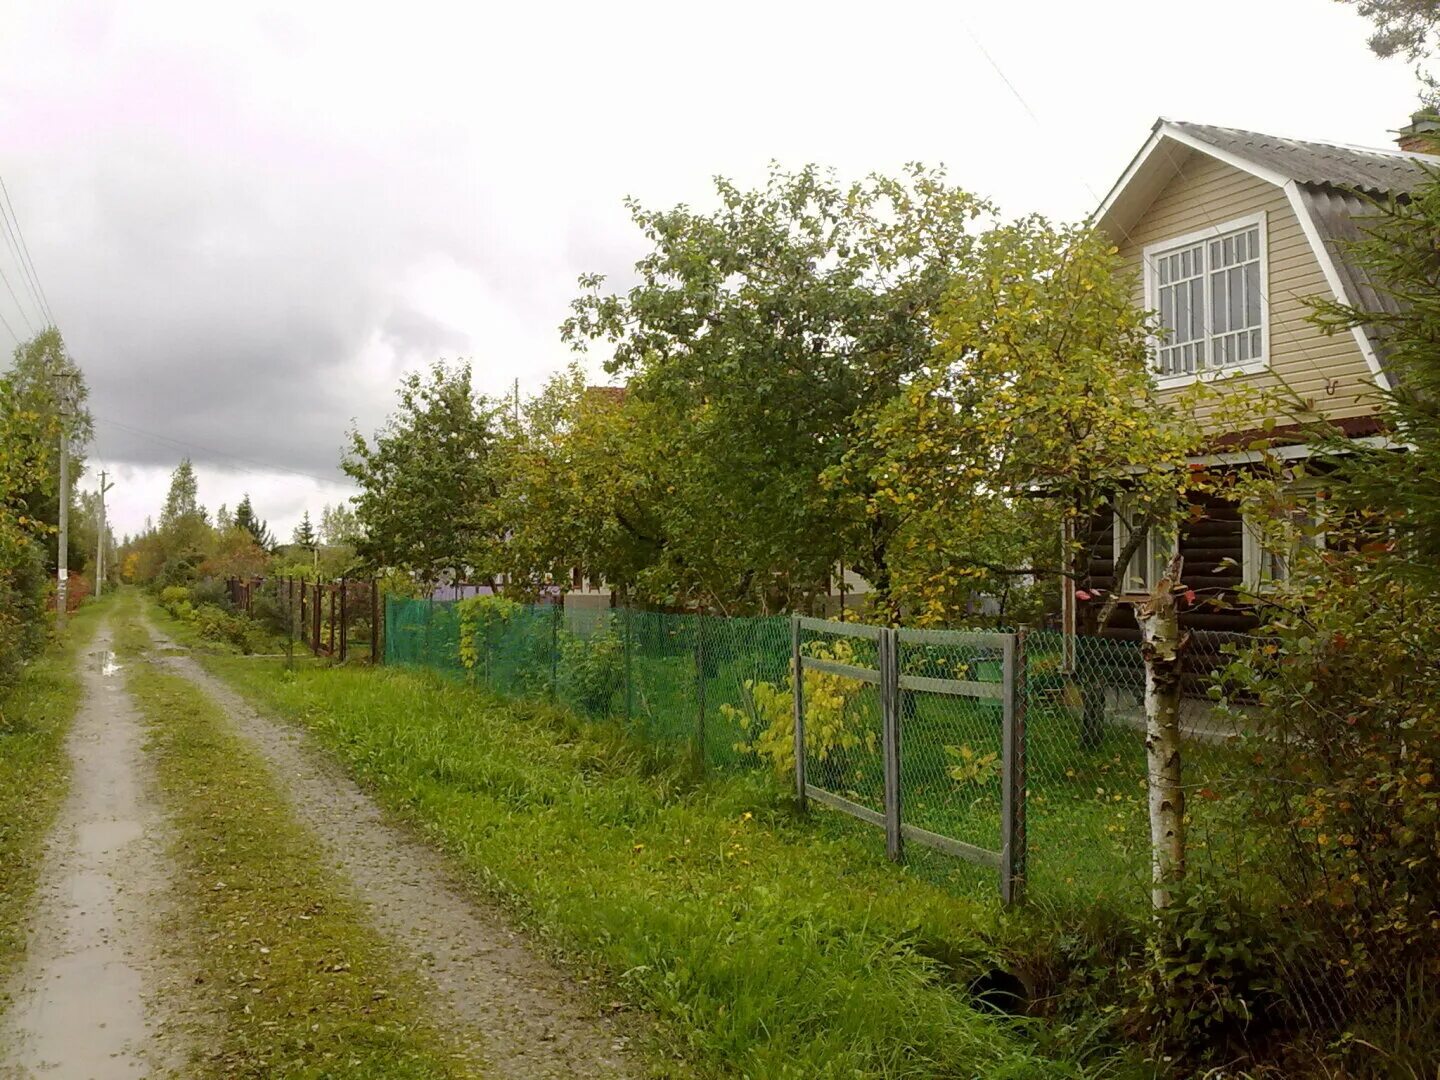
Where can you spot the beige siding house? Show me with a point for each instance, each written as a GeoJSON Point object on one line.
{"type": "Point", "coordinates": [1228, 233]}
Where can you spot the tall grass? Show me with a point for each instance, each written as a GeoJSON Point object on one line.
{"type": "Point", "coordinates": [765, 947]}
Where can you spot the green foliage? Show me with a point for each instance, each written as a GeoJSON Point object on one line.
{"type": "Point", "coordinates": [481, 617]}
{"type": "Point", "coordinates": [591, 670]}
{"type": "Point", "coordinates": [426, 484]}
{"type": "Point", "coordinates": [304, 536]}
{"type": "Point", "coordinates": [212, 621]}
{"type": "Point", "coordinates": [247, 519]}
{"type": "Point", "coordinates": [834, 721]}
{"type": "Point", "coordinates": [31, 426]}
{"type": "Point", "coordinates": [757, 341]}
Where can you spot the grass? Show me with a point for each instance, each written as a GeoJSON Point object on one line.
{"type": "Point", "coordinates": [300, 984]}
{"type": "Point", "coordinates": [764, 946]}
{"type": "Point", "coordinates": [34, 718]}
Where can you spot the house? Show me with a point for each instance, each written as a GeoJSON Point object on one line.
{"type": "Point", "coordinates": [1229, 231]}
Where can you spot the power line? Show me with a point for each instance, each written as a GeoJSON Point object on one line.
{"type": "Point", "coordinates": [185, 445]}
{"type": "Point", "coordinates": [7, 327]}
{"type": "Point", "coordinates": [29, 262]}
{"type": "Point", "coordinates": [18, 306]}
{"type": "Point", "coordinates": [1179, 167]}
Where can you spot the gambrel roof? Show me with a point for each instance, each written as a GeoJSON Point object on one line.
{"type": "Point", "coordinates": [1326, 184]}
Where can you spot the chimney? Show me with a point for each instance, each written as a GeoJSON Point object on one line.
{"type": "Point", "coordinates": [1421, 135]}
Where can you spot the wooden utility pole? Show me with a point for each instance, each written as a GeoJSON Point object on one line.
{"type": "Point", "coordinates": [100, 543]}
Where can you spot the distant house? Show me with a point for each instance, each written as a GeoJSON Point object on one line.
{"type": "Point", "coordinates": [1229, 231]}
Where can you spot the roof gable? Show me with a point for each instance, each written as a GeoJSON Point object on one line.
{"type": "Point", "coordinates": [1325, 184]}
{"type": "Point", "coordinates": [1277, 160]}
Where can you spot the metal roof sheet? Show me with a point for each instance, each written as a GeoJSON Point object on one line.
{"type": "Point", "coordinates": [1330, 164]}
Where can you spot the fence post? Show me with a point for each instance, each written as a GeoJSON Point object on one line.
{"type": "Point", "coordinates": [318, 617]}
{"type": "Point", "coordinates": [628, 616]}
{"type": "Point", "coordinates": [700, 687]}
{"type": "Point", "coordinates": [375, 641]}
{"type": "Point", "coordinates": [888, 655]}
{"type": "Point", "coordinates": [332, 621]}
{"type": "Point", "coordinates": [1012, 792]}
{"type": "Point", "coordinates": [304, 613]}
{"type": "Point", "coordinates": [344, 613]}
{"type": "Point", "coordinates": [556, 609]}
{"type": "Point", "coordinates": [797, 693]}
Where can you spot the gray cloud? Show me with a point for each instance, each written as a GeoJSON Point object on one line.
{"type": "Point", "coordinates": [251, 220]}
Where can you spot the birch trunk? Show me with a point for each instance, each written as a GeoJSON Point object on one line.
{"type": "Point", "coordinates": [1162, 650]}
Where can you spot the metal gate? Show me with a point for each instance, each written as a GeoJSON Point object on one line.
{"type": "Point", "coordinates": [920, 732]}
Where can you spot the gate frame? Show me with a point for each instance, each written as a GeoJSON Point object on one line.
{"type": "Point", "coordinates": [1010, 860]}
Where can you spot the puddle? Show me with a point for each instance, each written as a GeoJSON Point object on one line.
{"type": "Point", "coordinates": [108, 663]}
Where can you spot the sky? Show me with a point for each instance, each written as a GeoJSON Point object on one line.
{"type": "Point", "coordinates": [251, 219]}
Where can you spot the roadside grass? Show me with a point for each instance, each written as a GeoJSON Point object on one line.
{"type": "Point", "coordinates": [34, 718]}
{"type": "Point", "coordinates": [766, 947]}
{"type": "Point", "coordinates": [302, 986]}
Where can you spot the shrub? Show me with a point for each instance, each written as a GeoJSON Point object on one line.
{"type": "Point", "coordinates": [1347, 783]}
{"type": "Point", "coordinates": [834, 722]}
{"type": "Point", "coordinates": [176, 600]}
{"type": "Point", "coordinates": [592, 670]}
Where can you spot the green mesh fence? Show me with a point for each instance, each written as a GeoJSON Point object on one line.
{"type": "Point", "coordinates": [722, 687]}
{"type": "Point", "coordinates": [1074, 825]}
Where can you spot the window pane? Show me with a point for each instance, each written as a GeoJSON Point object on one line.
{"type": "Point", "coordinates": [1218, 304]}
{"type": "Point", "coordinates": [1237, 298]}
{"type": "Point", "coordinates": [1252, 294]}
{"type": "Point", "coordinates": [1197, 308]}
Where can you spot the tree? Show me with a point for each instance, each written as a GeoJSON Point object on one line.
{"type": "Point", "coordinates": [577, 491]}
{"type": "Point", "coordinates": [756, 341]}
{"type": "Point", "coordinates": [1402, 27]}
{"type": "Point", "coordinates": [29, 440]}
{"type": "Point", "coordinates": [246, 518]}
{"type": "Point", "coordinates": [184, 530]}
{"type": "Point", "coordinates": [427, 492]}
{"type": "Point", "coordinates": [338, 526]}
{"type": "Point", "coordinates": [304, 535]}
{"type": "Point", "coordinates": [46, 381]}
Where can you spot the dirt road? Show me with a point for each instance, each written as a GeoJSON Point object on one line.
{"type": "Point", "coordinates": [525, 1018]}
{"type": "Point", "coordinates": [95, 997]}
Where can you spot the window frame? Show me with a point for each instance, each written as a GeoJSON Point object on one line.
{"type": "Point", "coordinates": [1152, 253]}
{"type": "Point", "coordinates": [1153, 554]}
{"type": "Point", "coordinates": [1254, 554]}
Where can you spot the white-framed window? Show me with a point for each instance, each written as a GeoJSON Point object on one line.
{"type": "Point", "coordinates": [1151, 556]}
{"type": "Point", "coordinates": [1264, 565]}
{"type": "Point", "coordinates": [1210, 291]}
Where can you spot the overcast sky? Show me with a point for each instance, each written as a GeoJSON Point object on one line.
{"type": "Point", "coordinates": [251, 218]}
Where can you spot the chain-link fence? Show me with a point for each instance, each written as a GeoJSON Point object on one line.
{"type": "Point", "coordinates": [1020, 755]}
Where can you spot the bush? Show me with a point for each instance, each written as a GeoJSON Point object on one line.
{"type": "Point", "coordinates": [176, 600]}
{"type": "Point", "coordinates": [216, 624]}
{"type": "Point", "coordinates": [1345, 783]}
{"type": "Point", "coordinates": [24, 586]}
{"type": "Point", "coordinates": [592, 670]}
{"type": "Point", "coordinates": [211, 590]}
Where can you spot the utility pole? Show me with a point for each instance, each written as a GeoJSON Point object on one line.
{"type": "Point", "coordinates": [100, 543]}
{"type": "Point", "coordinates": [62, 572]}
